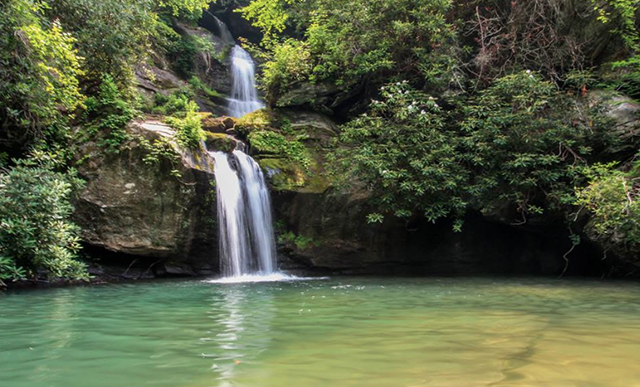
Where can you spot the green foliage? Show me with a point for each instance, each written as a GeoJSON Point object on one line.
{"type": "Point", "coordinates": [189, 132]}
{"type": "Point", "coordinates": [622, 15]}
{"type": "Point", "coordinates": [290, 63]}
{"type": "Point", "coordinates": [108, 114]}
{"type": "Point", "coordinates": [9, 271]}
{"type": "Point", "coordinates": [612, 200]}
{"type": "Point", "coordinates": [300, 241]}
{"type": "Point", "coordinates": [268, 15]}
{"type": "Point", "coordinates": [115, 35]}
{"type": "Point", "coordinates": [182, 115]}
{"type": "Point", "coordinates": [389, 34]}
{"type": "Point", "coordinates": [273, 143]}
{"type": "Point", "coordinates": [521, 144]}
{"type": "Point", "coordinates": [112, 35]}
{"type": "Point", "coordinates": [39, 70]}
{"type": "Point", "coordinates": [191, 8]}
{"type": "Point", "coordinates": [346, 41]}
{"type": "Point", "coordinates": [197, 85]}
{"type": "Point", "coordinates": [525, 144]}
{"type": "Point", "coordinates": [177, 103]}
{"type": "Point", "coordinates": [185, 50]}
{"type": "Point", "coordinates": [36, 233]}
{"type": "Point", "coordinates": [161, 149]}
{"type": "Point", "coordinates": [402, 152]}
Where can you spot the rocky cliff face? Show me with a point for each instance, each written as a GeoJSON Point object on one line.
{"type": "Point", "coordinates": [330, 233]}
{"type": "Point", "coordinates": [163, 210]}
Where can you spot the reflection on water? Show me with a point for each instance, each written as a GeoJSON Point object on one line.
{"type": "Point", "coordinates": [339, 332]}
{"type": "Point", "coordinates": [240, 331]}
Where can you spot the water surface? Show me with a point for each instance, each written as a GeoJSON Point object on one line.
{"type": "Point", "coordinates": [339, 332]}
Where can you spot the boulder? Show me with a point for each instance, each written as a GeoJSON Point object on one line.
{"type": "Point", "coordinates": [144, 208]}
{"type": "Point", "coordinates": [624, 114]}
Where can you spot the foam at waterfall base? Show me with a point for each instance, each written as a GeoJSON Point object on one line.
{"type": "Point", "coordinates": [275, 277]}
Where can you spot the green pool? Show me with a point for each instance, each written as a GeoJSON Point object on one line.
{"type": "Point", "coordinates": [334, 332]}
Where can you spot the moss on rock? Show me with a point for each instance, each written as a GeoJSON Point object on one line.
{"type": "Point", "coordinates": [262, 119]}
{"type": "Point", "coordinates": [219, 142]}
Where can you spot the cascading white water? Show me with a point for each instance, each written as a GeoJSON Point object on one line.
{"type": "Point", "coordinates": [247, 242]}
{"type": "Point", "coordinates": [220, 29]}
{"type": "Point", "coordinates": [260, 221]}
{"type": "Point", "coordinates": [231, 218]}
{"type": "Point", "coordinates": [244, 95]}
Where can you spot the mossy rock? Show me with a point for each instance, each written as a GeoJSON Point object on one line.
{"type": "Point", "coordinates": [217, 124]}
{"type": "Point", "coordinates": [287, 175]}
{"type": "Point", "coordinates": [284, 174]}
{"type": "Point", "coordinates": [219, 142]}
{"type": "Point", "coordinates": [261, 119]}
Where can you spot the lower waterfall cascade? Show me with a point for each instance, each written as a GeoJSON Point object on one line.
{"type": "Point", "coordinates": [246, 237]}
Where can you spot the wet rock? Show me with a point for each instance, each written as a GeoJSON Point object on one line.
{"type": "Point", "coordinates": [220, 142]}
{"type": "Point", "coordinates": [229, 122]}
{"type": "Point", "coordinates": [214, 124]}
{"type": "Point", "coordinates": [178, 269]}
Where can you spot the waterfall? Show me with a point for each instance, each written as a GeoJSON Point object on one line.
{"type": "Point", "coordinates": [219, 28]}
{"type": "Point", "coordinates": [244, 95]}
{"type": "Point", "coordinates": [260, 221]}
{"type": "Point", "coordinates": [247, 243]}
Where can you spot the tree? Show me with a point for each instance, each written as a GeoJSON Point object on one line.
{"type": "Point", "coordinates": [39, 71]}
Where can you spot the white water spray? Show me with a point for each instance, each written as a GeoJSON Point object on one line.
{"type": "Point", "coordinates": [244, 95]}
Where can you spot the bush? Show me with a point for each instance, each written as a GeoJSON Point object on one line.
{"type": "Point", "coordinates": [525, 143]}
{"type": "Point", "coordinates": [185, 50]}
{"type": "Point", "coordinates": [612, 200]}
{"type": "Point", "coordinates": [189, 132]}
{"type": "Point", "coordinates": [177, 103]}
{"type": "Point", "coordinates": [36, 233]}
{"type": "Point", "coordinates": [403, 153]}
{"type": "Point", "coordinates": [290, 63]}
{"type": "Point", "coordinates": [112, 35]}
{"type": "Point", "coordinates": [519, 145]}
{"type": "Point", "coordinates": [197, 85]}
{"type": "Point", "coordinates": [268, 142]}
{"type": "Point", "coordinates": [347, 41]}
{"type": "Point", "coordinates": [108, 114]}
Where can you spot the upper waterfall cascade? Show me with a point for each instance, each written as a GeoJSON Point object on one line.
{"type": "Point", "coordinates": [247, 242]}
{"type": "Point", "coordinates": [220, 29]}
{"type": "Point", "coordinates": [244, 95]}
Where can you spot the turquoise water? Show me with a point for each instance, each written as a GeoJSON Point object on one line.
{"type": "Point", "coordinates": [338, 332]}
